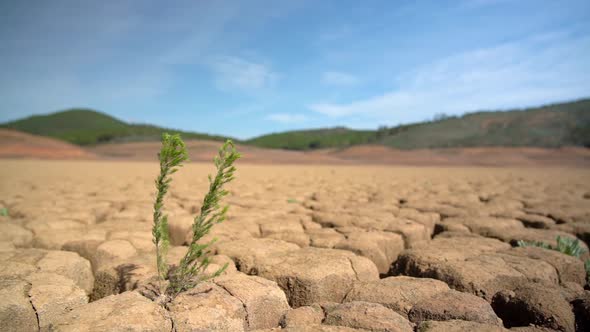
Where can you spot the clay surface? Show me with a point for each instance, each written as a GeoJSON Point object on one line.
{"type": "Point", "coordinates": [308, 248]}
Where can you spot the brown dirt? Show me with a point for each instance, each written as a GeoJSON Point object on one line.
{"type": "Point", "coordinates": [484, 156]}
{"type": "Point", "coordinates": [367, 154]}
{"type": "Point", "coordinates": [14, 144]}
{"type": "Point", "coordinates": [205, 150]}
{"type": "Point", "coordinates": [306, 229]}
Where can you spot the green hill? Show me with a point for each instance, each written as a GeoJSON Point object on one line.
{"type": "Point", "coordinates": [547, 126]}
{"type": "Point", "coordinates": [555, 125]}
{"type": "Point", "coordinates": [314, 139]}
{"type": "Point", "coordinates": [84, 127]}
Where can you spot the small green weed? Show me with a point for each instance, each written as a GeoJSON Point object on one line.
{"type": "Point", "coordinates": [569, 246]}
{"type": "Point", "coordinates": [191, 268]}
{"type": "Point", "coordinates": [292, 201]}
{"type": "Point", "coordinates": [539, 244]}
{"type": "Point", "coordinates": [564, 245]}
{"type": "Point", "coordinates": [4, 212]}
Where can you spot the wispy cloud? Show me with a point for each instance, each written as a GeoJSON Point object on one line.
{"type": "Point", "coordinates": [339, 78]}
{"type": "Point", "coordinates": [522, 73]}
{"type": "Point", "coordinates": [287, 118]}
{"type": "Point", "coordinates": [237, 73]}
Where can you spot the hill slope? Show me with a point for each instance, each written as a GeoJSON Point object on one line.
{"type": "Point", "coordinates": [16, 144]}
{"type": "Point", "coordinates": [314, 139]}
{"type": "Point", "coordinates": [563, 124]}
{"type": "Point", "coordinates": [85, 127]}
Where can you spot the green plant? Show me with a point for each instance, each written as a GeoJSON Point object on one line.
{"type": "Point", "coordinates": [4, 212]}
{"type": "Point", "coordinates": [539, 244]}
{"type": "Point", "coordinates": [569, 246]}
{"type": "Point", "coordinates": [564, 245]}
{"type": "Point", "coordinates": [191, 268]}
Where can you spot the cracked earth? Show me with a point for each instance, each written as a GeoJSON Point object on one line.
{"type": "Point", "coordinates": [310, 248]}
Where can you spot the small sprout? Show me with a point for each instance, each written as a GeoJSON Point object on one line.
{"type": "Point", "coordinates": [172, 155]}
{"type": "Point", "coordinates": [539, 244]}
{"type": "Point", "coordinates": [4, 212]}
{"type": "Point", "coordinates": [191, 269]}
{"type": "Point", "coordinates": [569, 246]}
{"type": "Point", "coordinates": [564, 245]}
{"type": "Point", "coordinates": [292, 201]}
{"type": "Point", "coordinates": [195, 262]}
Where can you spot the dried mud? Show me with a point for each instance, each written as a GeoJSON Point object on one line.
{"type": "Point", "coordinates": [310, 247]}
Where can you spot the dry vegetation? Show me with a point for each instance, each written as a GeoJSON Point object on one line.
{"type": "Point", "coordinates": [341, 248]}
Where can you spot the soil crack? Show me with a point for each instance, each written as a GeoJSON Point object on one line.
{"type": "Point", "coordinates": [243, 303]}
{"type": "Point", "coordinates": [353, 269]}
{"type": "Point", "coordinates": [33, 306]}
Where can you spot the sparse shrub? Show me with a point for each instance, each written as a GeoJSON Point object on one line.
{"type": "Point", "coordinates": [539, 244]}
{"type": "Point", "coordinates": [190, 271]}
{"type": "Point", "coordinates": [569, 246]}
{"type": "Point", "coordinates": [564, 245]}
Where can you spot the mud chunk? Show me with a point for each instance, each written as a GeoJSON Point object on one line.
{"type": "Point", "coordinates": [368, 316]}
{"type": "Point", "coordinates": [396, 293]}
{"type": "Point", "coordinates": [534, 304]}
{"type": "Point", "coordinates": [458, 326]}
{"type": "Point", "coordinates": [454, 305]}
{"type": "Point", "coordinates": [128, 311]}
{"type": "Point", "coordinates": [208, 307]}
{"type": "Point", "coordinates": [569, 269]}
{"type": "Point", "coordinates": [382, 248]}
{"type": "Point", "coordinates": [303, 316]}
{"type": "Point", "coordinates": [16, 310]}
{"type": "Point", "coordinates": [313, 275]}
{"type": "Point", "coordinates": [264, 301]}
{"type": "Point", "coordinates": [52, 296]}
{"type": "Point", "coordinates": [249, 254]}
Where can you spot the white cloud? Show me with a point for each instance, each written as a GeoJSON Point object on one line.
{"type": "Point", "coordinates": [237, 73]}
{"type": "Point", "coordinates": [522, 73]}
{"type": "Point", "coordinates": [287, 118]}
{"type": "Point", "coordinates": [338, 78]}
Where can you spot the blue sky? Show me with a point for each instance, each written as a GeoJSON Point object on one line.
{"type": "Point", "coordinates": [245, 68]}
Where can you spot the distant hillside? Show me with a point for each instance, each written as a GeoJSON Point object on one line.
{"type": "Point", "coordinates": [314, 139]}
{"type": "Point", "coordinates": [563, 124]}
{"type": "Point", "coordinates": [555, 125]}
{"type": "Point", "coordinates": [85, 127]}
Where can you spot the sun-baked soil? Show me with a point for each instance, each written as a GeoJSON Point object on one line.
{"type": "Point", "coordinates": [310, 248]}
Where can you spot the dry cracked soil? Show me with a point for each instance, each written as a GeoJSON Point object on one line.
{"type": "Point", "coordinates": [309, 247]}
